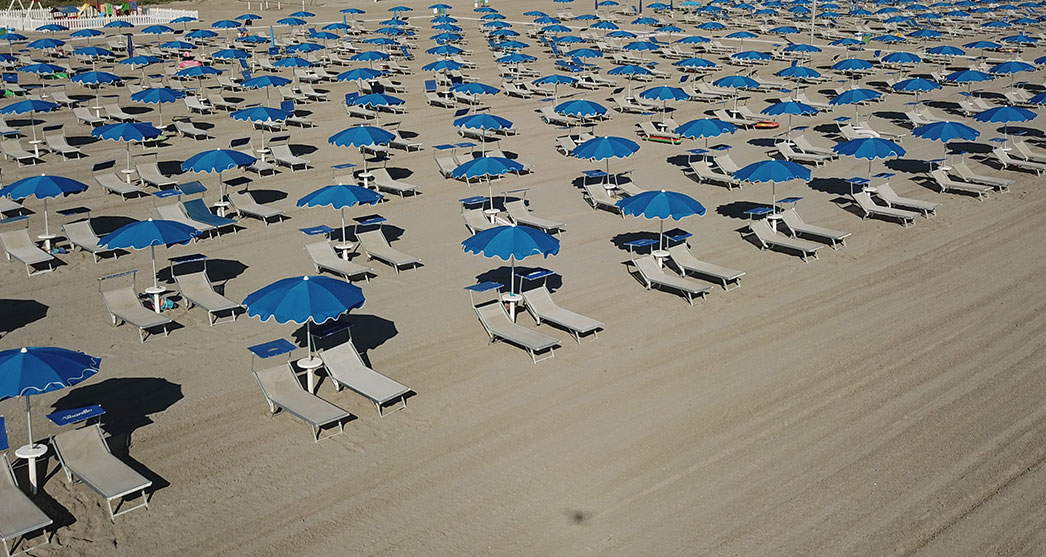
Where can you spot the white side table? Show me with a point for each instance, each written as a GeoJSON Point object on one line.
{"type": "Point", "coordinates": [31, 453]}
{"type": "Point", "coordinates": [155, 292]}
{"type": "Point", "coordinates": [310, 365]}
{"type": "Point", "coordinates": [47, 239]}
{"type": "Point", "coordinates": [344, 249]}
{"type": "Point", "coordinates": [513, 300]}
{"type": "Point", "coordinates": [660, 255]}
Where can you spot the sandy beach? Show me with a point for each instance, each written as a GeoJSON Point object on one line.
{"type": "Point", "coordinates": [886, 398]}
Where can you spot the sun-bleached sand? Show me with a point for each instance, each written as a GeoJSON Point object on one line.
{"type": "Point", "coordinates": [886, 398]}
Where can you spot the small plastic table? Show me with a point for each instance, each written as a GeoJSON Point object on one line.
{"type": "Point", "coordinates": [660, 255]}
{"type": "Point", "coordinates": [366, 176]}
{"type": "Point", "coordinates": [155, 292]}
{"type": "Point", "coordinates": [492, 215]}
{"type": "Point", "coordinates": [127, 174]}
{"type": "Point", "coordinates": [30, 453]}
{"type": "Point", "coordinates": [344, 249]}
{"type": "Point", "coordinates": [223, 207]}
{"type": "Point", "coordinates": [310, 365]}
{"type": "Point", "coordinates": [513, 300]}
{"type": "Point", "coordinates": [36, 146]}
{"type": "Point", "coordinates": [47, 239]}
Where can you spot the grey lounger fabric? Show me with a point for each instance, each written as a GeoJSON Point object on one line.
{"type": "Point", "coordinates": [384, 182]}
{"type": "Point", "coordinates": [123, 305]}
{"type": "Point", "coordinates": [475, 220]}
{"type": "Point", "coordinates": [798, 227]}
{"type": "Point", "coordinates": [519, 212]}
{"type": "Point", "coordinates": [85, 456]}
{"type": "Point", "coordinates": [499, 327]}
{"type": "Point", "coordinates": [113, 184]}
{"type": "Point", "coordinates": [542, 307]}
{"type": "Point", "coordinates": [768, 239]}
{"type": "Point", "coordinates": [81, 235]}
{"type": "Point", "coordinates": [890, 197]}
{"type": "Point", "coordinates": [688, 263]}
{"type": "Point", "coordinates": [376, 246]}
{"type": "Point", "coordinates": [323, 258]}
{"type": "Point", "coordinates": [244, 204]}
{"type": "Point", "coordinates": [150, 174]}
{"type": "Point", "coordinates": [653, 275]}
{"type": "Point", "coordinates": [197, 289]}
{"type": "Point", "coordinates": [284, 392]}
{"type": "Point", "coordinates": [870, 208]}
{"type": "Point", "coordinates": [284, 157]}
{"type": "Point", "coordinates": [175, 213]}
{"type": "Point", "coordinates": [598, 197]}
{"type": "Point", "coordinates": [946, 184]}
{"type": "Point", "coordinates": [18, 245]}
{"type": "Point", "coordinates": [346, 369]}
{"type": "Point", "coordinates": [18, 514]}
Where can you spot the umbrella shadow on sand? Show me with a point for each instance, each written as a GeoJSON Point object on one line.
{"type": "Point", "coordinates": [218, 270]}
{"type": "Point", "coordinates": [736, 209]}
{"type": "Point", "coordinates": [910, 166]}
{"type": "Point", "coordinates": [15, 314]}
{"type": "Point", "coordinates": [504, 273]}
{"type": "Point", "coordinates": [367, 332]}
{"type": "Point", "coordinates": [622, 239]}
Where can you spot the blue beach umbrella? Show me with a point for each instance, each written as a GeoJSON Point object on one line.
{"type": "Point", "coordinates": [340, 196]}
{"type": "Point", "coordinates": [629, 71]}
{"type": "Point", "coordinates": [196, 35]}
{"type": "Point", "coordinates": [361, 136]}
{"type": "Point", "coordinates": [483, 121]}
{"type": "Point", "coordinates": [661, 205]}
{"type": "Point", "coordinates": [45, 44]}
{"type": "Point", "coordinates": [34, 370]}
{"type": "Point", "coordinates": [664, 94]}
{"type": "Point", "coordinates": [736, 82]}
{"type": "Point", "coordinates": [157, 30]}
{"type": "Point", "coordinates": [149, 234]}
{"type": "Point", "coordinates": [773, 171]}
{"type": "Point", "coordinates": [369, 56]}
{"type": "Point", "coordinates": [1011, 67]}
{"type": "Point", "coordinates": [605, 148]}
{"type": "Point", "coordinates": [946, 131]}
{"type": "Point", "coordinates": [555, 80]}
{"type": "Point", "coordinates": [359, 74]}
{"type": "Point", "coordinates": [198, 72]}
{"type": "Point", "coordinates": [127, 132]}
{"type": "Point", "coordinates": [487, 167]}
{"type": "Point", "coordinates": [474, 89]}
{"type": "Point", "coordinates": [870, 148]}
{"type": "Point", "coordinates": [916, 85]}
{"type": "Point", "coordinates": [695, 63]}
{"type": "Point", "coordinates": [511, 243]}
{"type": "Point", "coordinates": [582, 108]}
{"type": "Point", "coordinates": [790, 108]}
{"type": "Point", "coordinates": [177, 45]}
{"type": "Point", "coordinates": [31, 107]}
{"type": "Point", "coordinates": [265, 82]}
{"type": "Point", "coordinates": [855, 97]}
{"type": "Point", "coordinates": [118, 24]}
{"type": "Point", "coordinates": [158, 96]}
{"type": "Point", "coordinates": [1004, 115]}
{"type": "Point", "coordinates": [42, 69]}
{"type": "Point", "coordinates": [441, 66]}
{"type": "Point", "coordinates": [52, 28]}
{"type": "Point", "coordinates": [217, 160]}
{"type": "Point", "coordinates": [260, 114]}
{"type": "Point", "coordinates": [705, 128]}
{"type": "Point", "coordinates": [306, 299]}
{"type": "Point", "coordinates": [42, 187]}
{"type": "Point", "coordinates": [231, 54]}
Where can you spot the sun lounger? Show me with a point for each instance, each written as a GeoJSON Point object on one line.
{"type": "Point", "coordinates": [446, 165]}
{"type": "Point", "coordinates": [57, 143]}
{"type": "Point", "coordinates": [150, 174]}
{"type": "Point", "coordinates": [476, 221]}
{"type": "Point", "coordinates": [890, 197]}
{"type": "Point", "coordinates": [702, 172]}
{"type": "Point", "coordinates": [18, 245]}
{"type": "Point", "coordinates": [324, 259]}
{"type": "Point", "coordinates": [653, 275]}
{"type": "Point", "coordinates": [83, 115]}
{"type": "Point", "coordinates": [196, 104]}
{"type": "Point", "coordinates": [792, 155]}
{"type": "Point", "coordinates": [1024, 151]}
{"type": "Point", "coordinates": [221, 103]}
{"type": "Point", "coordinates": [520, 214]}
{"type": "Point", "coordinates": [312, 94]}
{"type": "Point", "coordinates": [798, 227]}
{"type": "Point", "coordinates": [1004, 158]}
{"type": "Point", "coordinates": [243, 203]}
{"type": "Point", "coordinates": [188, 129]}
{"type": "Point", "coordinates": [196, 288]}
{"type": "Point", "coordinates": [259, 166]}
{"type": "Point", "coordinates": [284, 157]}
{"type": "Point", "coordinates": [376, 246]}
{"type": "Point", "coordinates": [114, 112]}
{"type": "Point", "coordinates": [227, 83]}
{"type": "Point", "coordinates": [81, 235]}
{"type": "Point", "coordinates": [945, 183]}
{"type": "Point", "coordinates": [346, 369]}
{"type": "Point", "coordinates": [384, 182]}
{"type": "Point", "coordinates": [114, 184]}
{"type": "Point", "coordinates": [550, 117]}
{"type": "Point", "coordinates": [8, 205]}
{"type": "Point", "coordinates": [542, 307]}
{"type": "Point", "coordinates": [283, 391]}
{"type": "Point", "coordinates": [684, 259]}
{"type": "Point", "coordinates": [869, 208]}
{"type": "Point", "coordinates": [85, 457]}
{"type": "Point", "coordinates": [649, 132]}
{"type": "Point", "coordinates": [435, 100]}
{"type": "Point", "coordinates": [804, 146]}
{"type": "Point", "coordinates": [968, 175]}
{"type": "Point", "coordinates": [123, 306]}
{"type": "Point", "coordinates": [12, 149]}
{"type": "Point", "coordinates": [8, 131]}
{"type": "Point", "coordinates": [18, 514]}
{"type": "Point", "coordinates": [599, 198]}
{"type": "Point", "coordinates": [177, 214]}
{"type": "Point", "coordinates": [400, 143]}
{"type": "Point", "coordinates": [63, 99]}
{"type": "Point", "coordinates": [730, 118]}
{"type": "Point", "coordinates": [499, 327]}
{"type": "Point", "coordinates": [197, 211]}
{"type": "Point", "coordinates": [768, 239]}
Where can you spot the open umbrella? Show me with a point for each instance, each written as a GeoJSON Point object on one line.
{"type": "Point", "coordinates": [34, 370]}
{"type": "Point", "coordinates": [149, 233]}
{"type": "Point", "coordinates": [95, 80]}
{"type": "Point", "coordinates": [664, 94]}
{"type": "Point", "coordinates": [127, 132]}
{"type": "Point", "coordinates": [1004, 115]}
{"type": "Point", "coordinates": [361, 136]}
{"type": "Point", "coordinates": [773, 171]}
{"type": "Point", "coordinates": [870, 148]}
{"type": "Point", "coordinates": [483, 122]}
{"type": "Point", "coordinates": [306, 299]}
{"type": "Point", "coordinates": [946, 131]}
{"type": "Point", "coordinates": [42, 187]}
{"type": "Point", "coordinates": [217, 160]}
{"type": "Point", "coordinates": [31, 106]}
{"type": "Point", "coordinates": [605, 148]}
{"type": "Point", "coordinates": [340, 196]}
{"type": "Point", "coordinates": [260, 114]}
{"type": "Point", "coordinates": [265, 81]}
{"type": "Point", "coordinates": [705, 128]}
{"type": "Point", "coordinates": [158, 96]}
{"type": "Point", "coordinates": [855, 97]}
{"type": "Point", "coordinates": [511, 243]}
{"type": "Point", "coordinates": [630, 71]}
{"type": "Point", "coordinates": [661, 205]}
{"type": "Point", "coordinates": [789, 108]}
{"type": "Point", "coordinates": [555, 80]}
{"type": "Point", "coordinates": [474, 89]}
{"type": "Point", "coordinates": [485, 167]}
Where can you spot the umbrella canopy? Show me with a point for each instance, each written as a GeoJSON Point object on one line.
{"type": "Point", "coordinates": [360, 74]}
{"type": "Point", "coordinates": [705, 128]}
{"type": "Point", "coordinates": [483, 121]}
{"type": "Point", "coordinates": [306, 299]}
{"type": "Point", "coordinates": [511, 243]}
{"type": "Point", "coordinates": [361, 136]}
{"type": "Point", "coordinates": [1005, 115]}
{"type": "Point", "coordinates": [158, 96]}
{"type": "Point", "coordinates": [946, 131]}
{"type": "Point", "coordinates": [664, 94]}
{"type": "Point", "coordinates": [870, 148]}
{"type": "Point", "coordinates": [773, 171]}
{"type": "Point", "coordinates": [127, 132]}
{"type": "Point", "coordinates": [340, 196]}
{"type": "Point", "coordinates": [605, 148]}
{"type": "Point", "coordinates": [34, 370]}
{"type": "Point", "coordinates": [217, 160]}
{"type": "Point", "coordinates": [42, 187]}
{"type": "Point", "coordinates": [486, 167]}
{"type": "Point", "coordinates": [149, 234]}
{"type": "Point", "coordinates": [264, 114]}
{"type": "Point", "coordinates": [790, 108]}
{"type": "Point", "coordinates": [31, 106]}
{"type": "Point", "coordinates": [581, 107]}
{"type": "Point", "coordinates": [661, 205]}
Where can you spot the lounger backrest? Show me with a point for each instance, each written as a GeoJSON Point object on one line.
{"type": "Point", "coordinates": [281, 151]}
{"type": "Point", "coordinates": [864, 200]}
{"type": "Point", "coordinates": [374, 240]}
{"type": "Point", "coordinates": [792, 219]}
{"type": "Point", "coordinates": [886, 192]}
{"type": "Point", "coordinates": [540, 300]}
{"type": "Point", "coordinates": [81, 233]}
{"type": "Point", "coordinates": [171, 212]}
{"type": "Point", "coordinates": [682, 255]}
{"type": "Point", "coordinates": [517, 208]}
{"type": "Point", "coordinates": [17, 240]}
{"type": "Point", "coordinates": [321, 252]}
{"type": "Point", "coordinates": [648, 267]}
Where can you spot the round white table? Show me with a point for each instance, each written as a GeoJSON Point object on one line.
{"type": "Point", "coordinates": [344, 248]}
{"type": "Point", "coordinates": [127, 174]}
{"type": "Point", "coordinates": [31, 453]}
{"type": "Point", "coordinates": [223, 207]}
{"type": "Point", "coordinates": [36, 146]}
{"type": "Point", "coordinates": [512, 299]}
{"type": "Point", "coordinates": [492, 215]}
{"type": "Point", "coordinates": [310, 365]}
{"type": "Point", "coordinates": [366, 176]}
{"type": "Point", "coordinates": [660, 255]}
{"type": "Point", "coordinates": [47, 239]}
{"type": "Point", "coordinates": [155, 292]}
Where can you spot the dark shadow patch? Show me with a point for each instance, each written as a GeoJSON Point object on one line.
{"type": "Point", "coordinates": [503, 274]}
{"type": "Point", "coordinates": [15, 314]}
{"type": "Point", "coordinates": [910, 166]}
{"type": "Point", "coordinates": [836, 186]}
{"type": "Point", "coordinates": [736, 209]}
{"type": "Point", "coordinates": [128, 401]}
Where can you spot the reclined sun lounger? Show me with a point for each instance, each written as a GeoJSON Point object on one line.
{"type": "Point", "coordinates": [476, 221]}
{"type": "Point", "coordinates": [869, 208]}
{"type": "Point", "coordinates": [376, 246]}
{"type": "Point", "coordinates": [324, 259]}
{"type": "Point", "coordinates": [519, 213]}
{"type": "Point", "coordinates": [196, 288]}
{"type": "Point", "coordinates": [792, 155]}
{"type": "Point", "coordinates": [283, 156]}
{"type": "Point", "coordinates": [57, 143]}
{"type": "Point", "coordinates": [197, 211]}
{"type": "Point", "coordinates": [968, 175]}
{"type": "Point", "coordinates": [18, 245]}
{"type": "Point", "coordinates": [890, 197]}
{"type": "Point", "coordinates": [188, 129]}
{"type": "Point", "coordinates": [113, 184]}
{"type": "Point", "coordinates": [114, 112]}
{"type": "Point", "coordinates": [385, 182]}
{"type": "Point", "coordinates": [702, 172]}
{"type": "Point", "coordinates": [768, 239]}
{"type": "Point", "coordinates": [687, 263]}
{"type": "Point", "coordinates": [123, 307]}
{"type": "Point", "coordinates": [653, 275]}
{"type": "Point", "coordinates": [243, 203]}
{"type": "Point", "coordinates": [283, 391]}
{"type": "Point", "coordinates": [83, 115]}
{"type": "Point", "coordinates": [12, 149]}
{"type": "Point", "coordinates": [81, 235]}
{"type": "Point", "coordinates": [798, 228]}
{"type": "Point", "coordinates": [18, 514]}
{"type": "Point", "coordinates": [346, 369]}
{"type": "Point", "coordinates": [175, 213]}
{"type": "Point", "coordinates": [1003, 157]}
{"type": "Point", "coordinates": [1025, 151]}
{"type": "Point", "coordinates": [946, 183]}
{"type": "Point", "coordinates": [151, 175]}
{"type": "Point", "coordinates": [597, 196]}
{"type": "Point", "coordinates": [803, 144]}
{"type": "Point", "coordinates": [542, 307]}
{"type": "Point", "coordinates": [85, 457]}
{"type": "Point", "coordinates": [499, 327]}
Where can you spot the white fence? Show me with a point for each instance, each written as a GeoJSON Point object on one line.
{"type": "Point", "coordinates": [28, 20]}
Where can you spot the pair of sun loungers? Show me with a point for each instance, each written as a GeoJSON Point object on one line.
{"type": "Point", "coordinates": [196, 214]}
{"type": "Point", "coordinates": [768, 238]}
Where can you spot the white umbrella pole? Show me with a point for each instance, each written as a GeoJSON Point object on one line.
{"type": "Point", "coordinates": [308, 336]}
{"type": "Point", "coordinates": [47, 229]}
{"type": "Point", "coordinates": [29, 419]}
{"type": "Point", "coordinates": [152, 251]}
{"type": "Point", "coordinates": [512, 277]}
{"type": "Point", "coordinates": [343, 237]}
{"type": "Point", "coordinates": [661, 235]}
